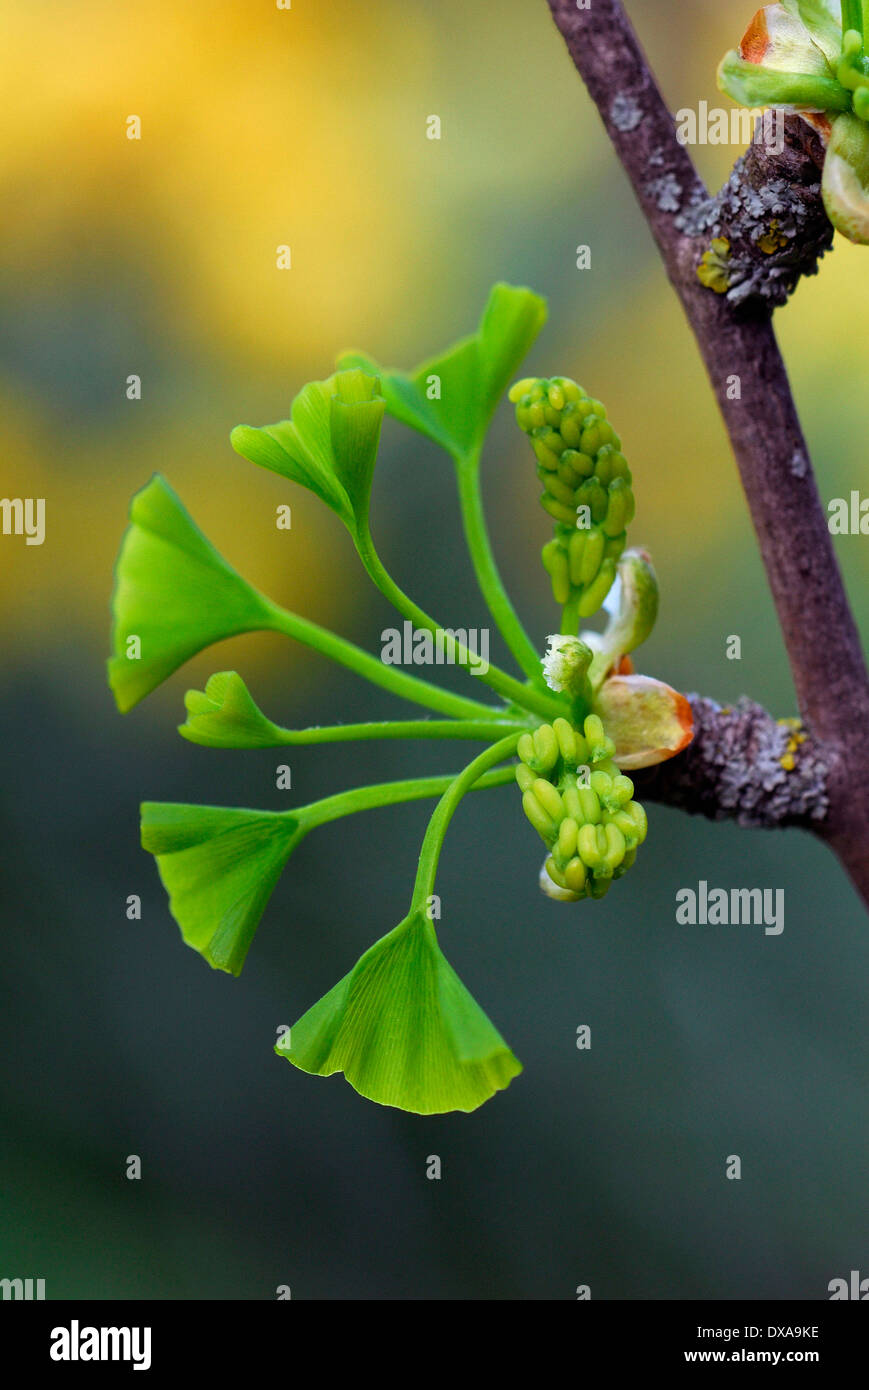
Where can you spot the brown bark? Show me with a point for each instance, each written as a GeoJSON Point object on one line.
{"type": "Point", "coordinates": [738, 342]}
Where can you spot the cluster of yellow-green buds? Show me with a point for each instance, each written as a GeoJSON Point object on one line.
{"type": "Point", "coordinates": [587, 487]}
{"type": "Point", "coordinates": [582, 807]}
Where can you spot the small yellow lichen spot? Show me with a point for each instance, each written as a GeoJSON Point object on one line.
{"type": "Point", "coordinates": [788, 759]}
{"type": "Point", "coordinates": [773, 239]}
{"type": "Point", "coordinates": [712, 270]}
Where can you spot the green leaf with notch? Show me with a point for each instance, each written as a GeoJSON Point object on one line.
{"type": "Point", "coordinates": [404, 1030]}
{"type": "Point", "coordinates": [174, 595]}
{"type": "Point", "coordinates": [219, 866]}
{"type": "Point", "coordinates": [452, 397]}
{"type": "Point", "coordinates": [225, 715]}
{"type": "Point", "coordinates": [329, 444]}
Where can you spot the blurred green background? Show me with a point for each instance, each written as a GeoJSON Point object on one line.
{"type": "Point", "coordinates": [157, 257]}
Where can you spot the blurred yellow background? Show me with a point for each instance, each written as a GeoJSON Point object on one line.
{"type": "Point", "coordinates": [307, 127]}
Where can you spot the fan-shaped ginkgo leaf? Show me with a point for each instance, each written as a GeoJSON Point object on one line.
{"type": "Point", "coordinates": [452, 397]}
{"type": "Point", "coordinates": [329, 444]}
{"type": "Point", "coordinates": [219, 866]}
{"type": "Point", "coordinates": [174, 595]}
{"type": "Point", "coordinates": [404, 1029]}
{"type": "Point", "coordinates": [225, 715]}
